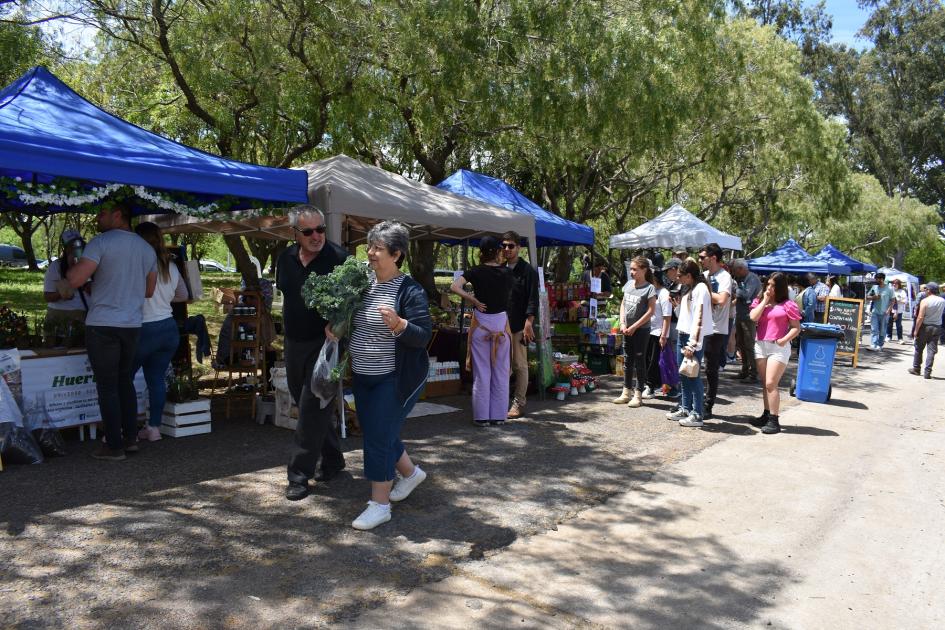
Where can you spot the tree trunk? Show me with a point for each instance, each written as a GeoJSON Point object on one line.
{"type": "Point", "coordinates": [243, 264]}
{"type": "Point", "coordinates": [25, 225]}
{"type": "Point", "coordinates": [563, 264]}
{"type": "Point", "coordinates": [420, 261]}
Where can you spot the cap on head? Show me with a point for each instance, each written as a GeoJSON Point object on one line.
{"type": "Point", "coordinates": [672, 263]}
{"type": "Point", "coordinates": [879, 275]}
{"type": "Point", "coordinates": [932, 287]}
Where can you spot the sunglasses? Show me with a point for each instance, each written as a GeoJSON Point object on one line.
{"type": "Point", "coordinates": [702, 256]}
{"type": "Point", "coordinates": [309, 231]}
{"type": "Point", "coordinates": [509, 245]}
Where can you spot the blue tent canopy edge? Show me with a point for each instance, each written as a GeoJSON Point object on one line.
{"type": "Point", "coordinates": [550, 229]}
{"type": "Point", "coordinates": [831, 254]}
{"type": "Point", "coordinates": [47, 130]}
{"type": "Point", "coordinates": [792, 258]}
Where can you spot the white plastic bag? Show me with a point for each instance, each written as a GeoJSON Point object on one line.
{"type": "Point", "coordinates": [324, 381]}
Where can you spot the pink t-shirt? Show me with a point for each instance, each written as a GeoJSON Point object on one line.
{"type": "Point", "coordinates": [775, 320]}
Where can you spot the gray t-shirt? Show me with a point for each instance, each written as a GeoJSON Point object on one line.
{"type": "Point", "coordinates": [747, 289]}
{"type": "Point", "coordinates": [934, 307]}
{"type": "Point", "coordinates": [120, 281]}
{"type": "Point", "coordinates": [636, 301]}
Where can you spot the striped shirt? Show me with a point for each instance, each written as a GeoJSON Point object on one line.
{"type": "Point", "coordinates": [372, 342]}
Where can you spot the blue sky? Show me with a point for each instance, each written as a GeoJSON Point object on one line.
{"type": "Point", "coordinates": [847, 20]}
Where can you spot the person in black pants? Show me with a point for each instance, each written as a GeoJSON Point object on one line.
{"type": "Point", "coordinates": [720, 282]}
{"type": "Point", "coordinates": [315, 434]}
{"type": "Point", "coordinates": [636, 311]}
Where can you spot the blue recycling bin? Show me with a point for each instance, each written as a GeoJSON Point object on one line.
{"type": "Point", "coordinates": [815, 361]}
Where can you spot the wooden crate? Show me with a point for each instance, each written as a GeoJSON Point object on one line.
{"type": "Point", "coordinates": [186, 418]}
{"type": "Point", "coordinates": [435, 389]}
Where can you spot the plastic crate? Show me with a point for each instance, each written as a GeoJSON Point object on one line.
{"type": "Point", "coordinates": [599, 363]}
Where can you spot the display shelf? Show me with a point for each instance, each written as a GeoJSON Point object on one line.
{"type": "Point", "coordinates": [247, 358]}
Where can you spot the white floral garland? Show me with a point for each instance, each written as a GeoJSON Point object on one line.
{"type": "Point", "coordinates": [49, 195]}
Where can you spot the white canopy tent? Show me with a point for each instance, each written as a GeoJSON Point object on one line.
{"type": "Point", "coordinates": [676, 227]}
{"type": "Point", "coordinates": [911, 282]}
{"type": "Point", "coordinates": [355, 196]}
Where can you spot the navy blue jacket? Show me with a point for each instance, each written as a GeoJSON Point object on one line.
{"type": "Point", "coordinates": [410, 353]}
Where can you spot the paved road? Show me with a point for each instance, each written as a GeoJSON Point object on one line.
{"type": "Point", "coordinates": [839, 522]}
{"type": "Point", "coordinates": [584, 514]}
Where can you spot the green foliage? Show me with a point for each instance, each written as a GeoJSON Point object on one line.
{"type": "Point", "coordinates": [927, 261]}
{"type": "Point", "coordinates": [337, 295]}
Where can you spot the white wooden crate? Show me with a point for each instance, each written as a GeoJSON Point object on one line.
{"type": "Point", "coordinates": [194, 429]}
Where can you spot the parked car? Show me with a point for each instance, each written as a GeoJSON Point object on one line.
{"type": "Point", "coordinates": [43, 264]}
{"type": "Point", "coordinates": [12, 256]}
{"type": "Point", "coordinates": [208, 264]}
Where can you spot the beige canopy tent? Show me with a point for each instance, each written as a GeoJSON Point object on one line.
{"type": "Point", "coordinates": [354, 196]}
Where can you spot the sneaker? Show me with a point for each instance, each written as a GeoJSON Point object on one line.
{"type": "Point", "coordinates": [673, 394]}
{"type": "Point", "coordinates": [149, 433]}
{"type": "Point", "coordinates": [637, 400]}
{"type": "Point", "coordinates": [131, 446]}
{"type": "Point", "coordinates": [481, 423]}
{"type": "Point", "coordinates": [772, 426]}
{"type": "Point", "coordinates": [296, 491]}
{"type": "Point", "coordinates": [872, 348]}
{"type": "Point", "coordinates": [928, 376]}
{"type": "Point", "coordinates": [403, 486]}
{"type": "Point", "coordinates": [761, 420]}
{"type": "Point", "coordinates": [692, 420]}
{"type": "Point", "coordinates": [679, 414]}
{"type": "Point", "coordinates": [915, 371]}
{"type": "Point", "coordinates": [107, 454]}
{"type": "Point", "coordinates": [648, 392]}
{"type": "Point", "coordinates": [373, 515]}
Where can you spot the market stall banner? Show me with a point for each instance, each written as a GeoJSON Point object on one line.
{"type": "Point", "coordinates": [68, 385]}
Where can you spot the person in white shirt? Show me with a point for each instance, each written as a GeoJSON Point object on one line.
{"type": "Point", "coordinates": [834, 284]}
{"type": "Point", "coordinates": [720, 284]}
{"type": "Point", "coordinates": [902, 299]}
{"type": "Point", "coordinates": [65, 307]}
{"type": "Point", "coordinates": [159, 333]}
{"type": "Point", "coordinates": [660, 325]}
{"type": "Point", "coordinates": [693, 328]}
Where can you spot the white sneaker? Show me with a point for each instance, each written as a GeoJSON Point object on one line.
{"type": "Point", "coordinates": [679, 414]}
{"type": "Point", "coordinates": [905, 342]}
{"type": "Point", "coordinates": [375, 514]}
{"type": "Point", "coordinates": [403, 486]}
{"type": "Point", "coordinates": [693, 420]}
{"type": "Point", "coordinates": [149, 433]}
{"type": "Point", "coordinates": [648, 392]}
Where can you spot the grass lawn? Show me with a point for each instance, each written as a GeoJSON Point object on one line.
{"type": "Point", "coordinates": [22, 291]}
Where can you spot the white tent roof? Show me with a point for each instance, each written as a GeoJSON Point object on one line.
{"type": "Point", "coordinates": [894, 274]}
{"type": "Point", "coordinates": [677, 227]}
{"type": "Point", "coordinates": [355, 195]}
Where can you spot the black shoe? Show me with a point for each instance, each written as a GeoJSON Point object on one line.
{"type": "Point", "coordinates": [327, 474]}
{"type": "Point", "coordinates": [928, 375]}
{"type": "Point", "coordinates": [707, 411]}
{"type": "Point", "coordinates": [107, 454]}
{"type": "Point", "coordinates": [761, 420]}
{"type": "Point", "coordinates": [296, 491]}
{"type": "Point", "coordinates": [772, 426]}
{"type": "Point", "coordinates": [915, 371]}
{"type": "Point", "coordinates": [741, 376]}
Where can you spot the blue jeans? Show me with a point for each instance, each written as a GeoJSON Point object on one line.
{"type": "Point", "coordinates": [382, 417]}
{"type": "Point", "coordinates": [692, 388]}
{"type": "Point", "coordinates": [156, 348]}
{"type": "Point", "coordinates": [894, 320]}
{"type": "Point", "coordinates": [878, 329]}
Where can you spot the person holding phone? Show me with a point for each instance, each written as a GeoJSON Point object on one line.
{"type": "Point", "coordinates": [777, 320]}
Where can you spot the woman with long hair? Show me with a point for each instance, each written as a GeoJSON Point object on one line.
{"type": "Point", "coordinates": [694, 325]}
{"type": "Point", "coordinates": [778, 321]}
{"type": "Point", "coordinates": [660, 327]}
{"type": "Point", "coordinates": [159, 334]}
{"type": "Point", "coordinates": [636, 311]}
{"type": "Point", "coordinates": [490, 338]}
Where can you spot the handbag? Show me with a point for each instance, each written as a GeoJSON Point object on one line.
{"type": "Point", "coordinates": [689, 367]}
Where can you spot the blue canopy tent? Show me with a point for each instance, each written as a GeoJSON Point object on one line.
{"type": "Point", "coordinates": [550, 229]}
{"type": "Point", "coordinates": [47, 131]}
{"type": "Point", "coordinates": [831, 254]}
{"type": "Point", "coordinates": [792, 258]}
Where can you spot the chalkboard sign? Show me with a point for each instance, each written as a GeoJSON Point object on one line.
{"type": "Point", "coordinates": [847, 313]}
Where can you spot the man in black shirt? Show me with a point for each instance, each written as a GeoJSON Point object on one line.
{"type": "Point", "coordinates": [523, 307]}
{"type": "Point", "coordinates": [315, 434]}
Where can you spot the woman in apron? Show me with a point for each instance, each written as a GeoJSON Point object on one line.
{"type": "Point", "coordinates": [490, 339]}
